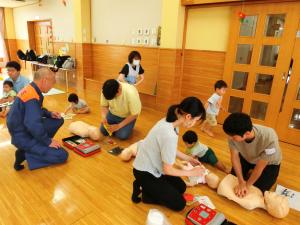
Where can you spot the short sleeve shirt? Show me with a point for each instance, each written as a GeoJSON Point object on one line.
{"type": "Point", "coordinates": [124, 105]}
{"type": "Point", "coordinates": [125, 69]}
{"type": "Point", "coordinates": [159, 147]}
{"type": "Point", "coordinates": [11, 93]}
{"type": "Point", "coordinates": [198, 150]}
{"type": "Point", "coordinates": [265, 146]}
{"type": "Point", "coordinates": [213, 108]}
{"type": "Point", "coordinates": [81, 104]}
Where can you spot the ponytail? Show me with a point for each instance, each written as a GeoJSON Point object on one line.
{"type": "Point", "coordinates": [171, 114]}
{"type": "Point", "coordinates": [189, 105]}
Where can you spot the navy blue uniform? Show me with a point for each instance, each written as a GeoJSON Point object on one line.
{"type": "Point", "coordinates": [32, 129]}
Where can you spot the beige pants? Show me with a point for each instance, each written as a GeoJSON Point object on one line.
{"type": "Point", "coordinates": [211, 119]}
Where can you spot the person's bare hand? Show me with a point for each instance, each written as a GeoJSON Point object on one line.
{"type": "Point", "coordinates": [194, 161]}
{"type": "Point", "coordinates": [241, 190]}
{"type": "Point", "coordinates": [55, 115]}
{"type": "Point", "coordinates": [197, 171]}
{"type": "Point", "coordinates": [114, 127]}
{"type": "Point", "coordinates": [55, 144]}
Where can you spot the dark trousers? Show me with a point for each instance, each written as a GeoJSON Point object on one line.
{"type": "Point", "coordinates": [266, 180]}
{"type": "Point", "coordinates": [165, 190]}
{"type": "Point", "coordinates": [41, 155]}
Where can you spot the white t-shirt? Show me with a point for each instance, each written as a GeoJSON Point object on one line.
{"type": "Point", "coordinates": [198, 150]}
{"type": "Point", "coordinates": [159, 146]}
{"type": "Point", "coordinates": [81, 104]}
{"type": "Point", "coordinates": [213, 108]}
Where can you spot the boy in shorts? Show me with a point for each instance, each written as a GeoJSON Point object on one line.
{"type": "Point", "coordinates": [213, 106]}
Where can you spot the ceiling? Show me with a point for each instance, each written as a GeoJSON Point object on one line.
{"type": "Point", "coordinates": [16, 3]}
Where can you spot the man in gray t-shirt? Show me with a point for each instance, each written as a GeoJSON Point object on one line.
{"type": "Point", "coordinates": [252, 147]}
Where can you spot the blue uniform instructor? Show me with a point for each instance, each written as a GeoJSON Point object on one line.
{"type": "Point", "coordinates": [32, 127]}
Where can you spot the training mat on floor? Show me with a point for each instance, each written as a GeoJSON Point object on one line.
{"type": "Point", "coordinates": [54, 91]}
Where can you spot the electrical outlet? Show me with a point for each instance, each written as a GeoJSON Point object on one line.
{"type": "Point", "coordinates": [146, 31]}
{"type": "Point", "coordinates": [138, 41]}
{"type": "Point", "coordinates": [146, 41]}
{"type": "Point", "coordinates": [140, 31]}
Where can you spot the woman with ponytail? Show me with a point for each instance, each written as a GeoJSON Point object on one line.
{"type": "Point", "coordinates": [156, 179]}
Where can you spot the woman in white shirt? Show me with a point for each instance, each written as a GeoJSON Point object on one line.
{"type": "Point", "coordinates": [156, 178]}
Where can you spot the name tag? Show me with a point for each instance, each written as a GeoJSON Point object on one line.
{"type": "Point", "coordinates": [270, 151]}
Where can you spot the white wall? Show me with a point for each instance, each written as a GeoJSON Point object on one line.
{"type": "Point", "coordinates": [208, 28]}
{"type": "Point", "coordinates": [62, 19]}
{"type": "Point", "coordinates": [109, 17]}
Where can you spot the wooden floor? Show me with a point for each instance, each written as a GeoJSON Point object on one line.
{"type": "Point", "coordinates": [97, 190]}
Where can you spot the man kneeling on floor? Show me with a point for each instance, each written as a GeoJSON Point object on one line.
{"type": "Point", "coordinates": [32, 127]}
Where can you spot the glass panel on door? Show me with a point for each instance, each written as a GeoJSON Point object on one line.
{"type": "Point", "coordinates": [274, 25]}
{"type": "Point", "coordinates": [239, 81]}
{"type": "Point", "coordinates": [248, 26]}
{"type": "Point", "coordinates": [243, 54]}
{"type": "Point", "coordinates": [263, 83]}
{"type": "Point", "coordinates": [295, 120]}
{"type": "Point", "coordinates": [258, 110]}
{"type": "Point", "coordinates": [235, 104]}
{"type": "Point", "coordinates": [298, 95]}
{"type": "Point", "coordinates": [269, 55]}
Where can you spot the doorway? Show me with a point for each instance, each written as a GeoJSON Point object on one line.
{"type": "Point", "coordinates": [261, 67]}
{"type": "Point", "coordinates": [40, 36]}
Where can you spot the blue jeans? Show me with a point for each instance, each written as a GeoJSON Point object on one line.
{"type": "Point", "coordinates": [122, 133]}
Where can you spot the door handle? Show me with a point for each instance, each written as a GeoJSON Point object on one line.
{"type": "Point", "coordinates": [283, 76]}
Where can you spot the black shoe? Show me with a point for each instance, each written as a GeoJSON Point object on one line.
{"type": "Point", "coordinates": [136, 192]}
{"type": "Point", "coordinates": [20, 157]}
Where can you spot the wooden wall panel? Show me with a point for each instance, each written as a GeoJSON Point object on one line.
{"type": "Point", "coordinates": [11, 46]}
{"type": "Point", "coordinates": [201, 69]}
{"type": "Point", "coordinates": [108, 60]}
{"type": "Point", "coordinates": [87, 58]}
{"type": "Point", "coordinates": [79, 65]}
{"type": "Point", "coordinates": [168, 78]}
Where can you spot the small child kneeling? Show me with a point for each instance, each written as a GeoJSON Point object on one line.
{"type": "Point", "coordinates": [78, 106]}
{"type": "Point", "coordinates": [204, 153]}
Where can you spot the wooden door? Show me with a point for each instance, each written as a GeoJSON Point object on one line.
{"type": "Point", "coordinates": [288, 125]}
{"type": "Point", "coordinates": [258, 58]}
{"type": "Point", "coordinates": [43, 37]}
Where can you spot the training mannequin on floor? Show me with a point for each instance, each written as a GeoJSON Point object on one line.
{"type": "Point", "coordinates": [83, 129]}
{"type": "Point", "coordinates": [208, 177]}
{"type": "Point", "coordinates": [276, 205]}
